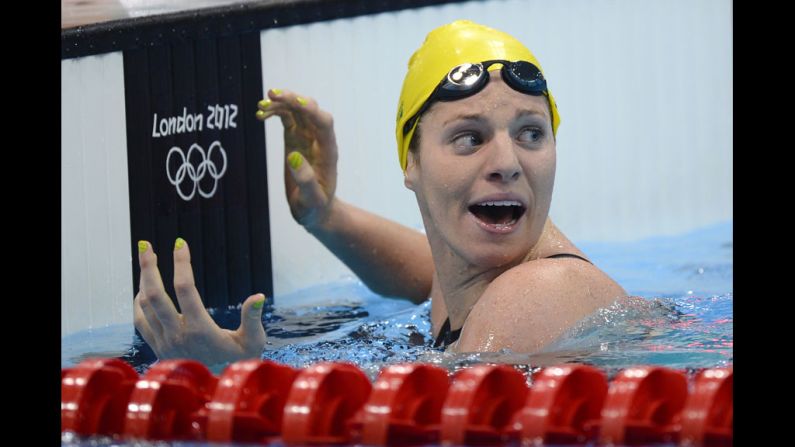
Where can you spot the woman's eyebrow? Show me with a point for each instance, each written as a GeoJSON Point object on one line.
{"type": "Point", "coordinates": [479, 117]}
{"type": "Point", "coordinates": [531, 112]}
{"type": "Point", "coordinates": [466, 117]}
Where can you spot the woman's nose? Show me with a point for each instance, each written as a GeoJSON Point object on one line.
{"type": "Point", "coordinates": [504, 164]}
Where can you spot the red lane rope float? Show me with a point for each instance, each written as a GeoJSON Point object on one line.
{"type": "Point", "coordinates": [405, 406]}
{"type": "Point", "coordinates": [94, 396]}
{"type": "Point", "coordinates": [165, 401]}
{"type": "Point", "coordinates": [249, 402]}
{"type": "Point", "coordinates": [481, 403]}
{"type": "Point", "coordinates": [322, 402]}
{"type": "Point", "coordinates": [328, 403]}
{"type": "Point", "coordinates": [708, 415]}
{"type": "Point", "coordinates": [643, 406]}
{"type": "Point", "coordinates": [563, 406]}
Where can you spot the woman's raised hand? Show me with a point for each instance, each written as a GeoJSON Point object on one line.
{"type": "Point", "coordinates": [310, 149]}
{"type": "Point", "coordinates": [193, 333]}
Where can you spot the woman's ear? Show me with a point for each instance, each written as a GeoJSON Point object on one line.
{"type": "Point", "coordinates": [411, 174]}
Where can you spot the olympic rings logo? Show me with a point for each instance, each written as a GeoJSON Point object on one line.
{"type": "Point", "coordinates": [196, 174]}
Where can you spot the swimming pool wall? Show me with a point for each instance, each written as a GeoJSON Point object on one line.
{"type": "Point", "coordinates": [644, 89]}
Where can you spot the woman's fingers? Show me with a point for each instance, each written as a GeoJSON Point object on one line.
{"type": "Point", "coordinates": [150, 317]}
{"type": "Point", "coordinates": [303, 107]}
{"type": "Point", "coordinates": [154, 299]}
{"type": "Point", "coordinates": [290, 107]}
{"type": "Point", "coordinates": [193, 334]}
{"type": "Point", "coordinates": [141, 323]}
{"type": "Point", "coordinates": [184, 284]}
{"type": "Point", "coordinates": [251, 314]}
{"type": "Point", "coordinates": [299, 112]}
{"type": "Point", "coordinates": [268, 109]}
{"type": "Point", "coordinates": [251, 331]}
{"type": "Point", "coordinates": [308, 192]}
{"type": "Point", "coordinates": [308, 114]}
{"type": "Point", "coordinates": [311, 193]}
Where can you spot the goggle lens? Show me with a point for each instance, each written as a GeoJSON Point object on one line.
{"type": "Point", "coordinates": [464, 76]}
{"type": "Point", "coordinates": [527, 75]}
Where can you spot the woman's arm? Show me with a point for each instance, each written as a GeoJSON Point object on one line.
{"type": "Point", "coordinates": [390, 258]}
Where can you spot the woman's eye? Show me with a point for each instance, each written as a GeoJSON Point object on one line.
{"type": "Point", "coordinates": [530, 134]}
{"type": "Point", "coordinates": [467, 140]}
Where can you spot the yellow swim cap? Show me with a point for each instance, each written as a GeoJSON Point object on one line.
{"type": "Point", "coordinates": [444, 48]}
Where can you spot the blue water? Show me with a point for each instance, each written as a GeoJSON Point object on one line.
{"type": "Point", "coordinates": [685, 320]}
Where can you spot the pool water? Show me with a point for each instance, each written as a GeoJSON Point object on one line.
{"type": "Point", "coordinates": [685, 320]}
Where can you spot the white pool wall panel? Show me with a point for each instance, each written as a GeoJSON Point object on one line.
{"type": "Point", "coordinates": [96, 279]}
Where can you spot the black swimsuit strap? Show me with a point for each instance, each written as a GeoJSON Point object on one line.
{"type": "Point", "coordinates": [568, 255]}
{"type": "Point", "coordinates": [447, 337]}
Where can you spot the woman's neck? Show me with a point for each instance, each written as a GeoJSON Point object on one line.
{"type": "Point", "coordinates": [462, 283]}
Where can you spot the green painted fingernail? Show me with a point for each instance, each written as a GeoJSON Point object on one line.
{"type": "Point", "coordinates": [295, 159]}
{"type": "Point", "coordinates": [179, 243]}
{"type": "Point", "coordinates": [142, 246]}
{"type": "Point", "coordinates": [302, 101]}
{"type": "Point", "coordinates": [276, 91]}
{"type": "Point", "coordinates": [265, 103]}
{"type": "Point", "coordinates": [260, 114]}
{"type": "Point", "coordinates": [259, 304]}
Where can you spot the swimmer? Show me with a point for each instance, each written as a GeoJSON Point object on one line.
{"type": "Point", "coordinates": [476, 137]}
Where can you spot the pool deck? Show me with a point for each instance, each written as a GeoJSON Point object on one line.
{"type": "Point", "coordinates": [88, 12]}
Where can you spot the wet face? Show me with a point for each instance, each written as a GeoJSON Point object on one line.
{"type": "Point", "coordinates": [484, 173]}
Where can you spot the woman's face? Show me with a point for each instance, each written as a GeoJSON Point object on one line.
{"type": "Point", "coordinates": [484, 173]}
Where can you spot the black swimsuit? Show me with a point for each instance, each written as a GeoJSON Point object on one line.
{"type": "Point", "coordinates": [447, 337]}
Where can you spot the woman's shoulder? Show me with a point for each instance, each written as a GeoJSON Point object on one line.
{"type": "Point", "coordinates": [533, 303]}
{"type": "Point", "coordinates": [561, 273]}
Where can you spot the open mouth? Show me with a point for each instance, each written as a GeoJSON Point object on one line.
{"type": "Point", "coordinates": [503, 213]}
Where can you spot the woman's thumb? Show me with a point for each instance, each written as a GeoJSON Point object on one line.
{"type": "Point", "coordinates": [304, 175]}
{"type": "Point", "coordinates": [251, 327]}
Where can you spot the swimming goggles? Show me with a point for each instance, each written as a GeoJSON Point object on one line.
{"type": "Point", "coordinates": [467, 79]}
